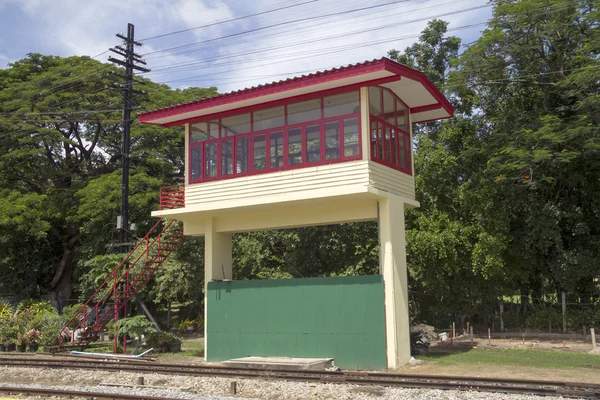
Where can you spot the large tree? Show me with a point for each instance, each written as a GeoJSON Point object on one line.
{"type": "Point", "coordinates": [60, 134]}
{"type": "Point", "coordinates": [535, 77]}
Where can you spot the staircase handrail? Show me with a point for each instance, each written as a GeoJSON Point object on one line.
{"type": "Point", "coordinates": [114, 273]}
{"type": "Point", "coordinates": [120, 300]}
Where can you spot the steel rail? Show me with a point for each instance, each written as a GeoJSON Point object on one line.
{"type": "Point", "coordinates": [76, 393]}
{"type": "Point", "coordinates": [501, 385]}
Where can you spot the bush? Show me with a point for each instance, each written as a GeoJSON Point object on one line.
{"type": "Point", "coordinates": [51, 326]}
{"type": "Point", "coordinates": [539, 320]}
{"type": "Point", "coordinates": [159, 340]}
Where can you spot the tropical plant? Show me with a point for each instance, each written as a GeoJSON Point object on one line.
{"type": "Point", "coordinates": [135, 327]}
{"type": "Point", "coordinates": [6, 310]}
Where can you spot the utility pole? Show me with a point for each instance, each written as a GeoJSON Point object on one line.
{"type": "Point", "coordinates": [129, 62]}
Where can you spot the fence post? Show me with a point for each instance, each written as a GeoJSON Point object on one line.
{"type": "Point", "coordinates": [564, 312]}
{"type": "Point", "coordinates": [501, 316]}
{"type": "Point", "coordinates": [453, 329]}
{"type": "Point", "coordinates": [593, 333]}
{"type": "Point", "coordinates": [489, 337]}
{"type": "Point", "coordinates": [471, 332]}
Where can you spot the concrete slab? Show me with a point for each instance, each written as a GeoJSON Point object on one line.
{"type": "Point", "coordinates": [289, 363]}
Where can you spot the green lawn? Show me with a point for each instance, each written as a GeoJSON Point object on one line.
{"type": "Point", "coordinates": [525, 358]}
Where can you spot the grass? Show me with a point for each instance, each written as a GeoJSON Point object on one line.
{"type": "Point", "coordinates": [525, 358]}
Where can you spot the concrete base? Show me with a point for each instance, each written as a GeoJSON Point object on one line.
{"type": "Point", "coordinates": [282, 363]}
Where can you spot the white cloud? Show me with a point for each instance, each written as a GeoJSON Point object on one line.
{"type": "Point", "coordinates": [242, 60]}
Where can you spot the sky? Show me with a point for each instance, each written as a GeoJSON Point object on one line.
{"type": "Point", "coordinates": [230, 44]}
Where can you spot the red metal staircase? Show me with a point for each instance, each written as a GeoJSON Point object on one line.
{"type": "Point", "coordinates": [111, 298]}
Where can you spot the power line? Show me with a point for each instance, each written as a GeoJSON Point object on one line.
{"type": "Point", "coordinates": [229, 20]}
{"type": "Point", "coordinates": [278, 24]}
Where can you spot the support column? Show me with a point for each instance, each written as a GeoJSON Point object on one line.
{"type": "Point", "coordinates": [218, 261]}
{"type": "Point", "coordinates": [393, 265]}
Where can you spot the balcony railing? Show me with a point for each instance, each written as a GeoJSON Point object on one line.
{"type": "Point", "coordinates": [172, 197]}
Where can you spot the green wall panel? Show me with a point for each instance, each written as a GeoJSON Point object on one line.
{"type": "Point", "coordinates": [340, 317]}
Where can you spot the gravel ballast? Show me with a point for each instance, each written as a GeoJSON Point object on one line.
{"type": "Point", "coordinates": [209, 388]}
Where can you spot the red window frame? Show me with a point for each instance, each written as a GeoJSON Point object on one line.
{"type": "Point", "coordinates": [381, 149]}
{"type": "Point", "coordinates": [285, 133]}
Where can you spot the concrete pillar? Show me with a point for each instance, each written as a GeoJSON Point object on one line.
{"type": "Point", "coordinates": [218, 261]}
{"type": "Point", "coordinates": [393, 265]}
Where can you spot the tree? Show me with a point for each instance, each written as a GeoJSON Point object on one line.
{"type": "Point", "coordinates": [60, 158]}
{"type": "Point", "coordinates": [535, 76]}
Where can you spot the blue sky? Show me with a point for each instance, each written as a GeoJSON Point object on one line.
{"type": "Point", "coordinates": [235, 54]}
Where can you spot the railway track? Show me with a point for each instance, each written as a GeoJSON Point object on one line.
{"type": "Point", "coordinates": [535, 387]}
{"type": "Point", "coordinates": [61, 392]}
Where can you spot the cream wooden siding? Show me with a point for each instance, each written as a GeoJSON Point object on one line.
{"type": "Point", "coordinates": [333, 177]}
{"type": "Point", "coordinates": [392, 181]}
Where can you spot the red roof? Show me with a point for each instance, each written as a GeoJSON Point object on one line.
{"type": "Point", "coordinates": [180, 113]}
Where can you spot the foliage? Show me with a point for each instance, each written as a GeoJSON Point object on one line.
{"type": "Point", "coordinates": [68, 312]}
{"type": "Point", "coordinates": [35, 307]}
{"type": "Point", "coordinates": [135, 327]}
{"type": "Point", "coordinates": [31, 336]}
{"type": "Point", "coordinates": [6, 311]}
{"type": "Point", "coordinates": [51, 326]}
{"type": "Point", "coordinates": [161, 339]}
{"type": "Point", "coordinates": [60, 134]}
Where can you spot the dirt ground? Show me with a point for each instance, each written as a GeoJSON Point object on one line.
{"type": "Point", "coordinates": [590, 375]}
{"type": "Point", "coordinates": [514, 343]}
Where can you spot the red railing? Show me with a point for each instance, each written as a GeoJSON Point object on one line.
{"type": "Point", "coordinates": [107, 301]}
{"type": "Point", "coordinates": [172, 197]}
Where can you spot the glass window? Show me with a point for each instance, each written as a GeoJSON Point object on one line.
{"type": "Point", "coordinates": [389, 103]}
{"type": "Point", "coordinates": [295, 146]}
{"type": "Point", "coordinates": [341, 104]}
{"type": "Point", "coordinates": [313, 143]}
{"type": "Point", "coordinates": [276, 149]}
{"type": "Point", "coordinates": [394, 147]}
{"type": "Point", "coordinates": [375, 101]}
{"type": "Point", "coordinates": [200, 132]}
{"type": "Point", "coordinates": [267, 119]}
{"type": "Point", "coordinates": [305, 111]}
{"type": "Point", "coordinates": [351, 137]}
{"type": "Point", "coordinates": [210, 157]}
{"type": "Point", "coordinates": [235, 125]}
{"type": "Point", "coordinates": [196, 163]}
{"type": "Point", "coordinates": [260, 152]}
{"type": "Point", "coordinates": [374, 139]}
{"type": "Point", "coordinates": [241, 155]}
{"type": "Point", "coordinates": [388, 144]}
{"type": "Point", "coordinates": [332, 140]}
{"type": "Point", "coordinates": [227, 157]}
{"type": "Point", "coordinates": [402, 116]}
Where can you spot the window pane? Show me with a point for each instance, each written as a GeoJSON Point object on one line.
{"type": "Point", "coordinates": [402, 116]}
{"type": "Point", "coordinates": [260, 152]}
{"type": "Point", "coordinates": [379, 141]}
{"type": "Point", "coordinates": [235, 125]}
{"type": "Point", "coordinates": [210, 155]}
{"type": "Point", "coordinates": [332, 140]}
{"type": "Point", "coordinates": [276, 149]}
{"type": "Point", "coordinates": [373, 139]}
{"type": "Point", "coordinates": [227, 157]}
{"type": "Point", "coordinates": [196, 163]}
{"type": "Point", "coordinates": [375, 101]}
{"type": "Point", "coordinates": [351, 137]}
{"type": "Point", "coordinates": [241, 155]}
{"type": "Point", "coordinates": [199, 132]}
{"type": "Point", "coordinates": [304, 112]}
{"type": "Point", "coordinates": [388, 144]}
{"type": "Point", "coordinates": [389, 101]}
{"type": "Point", "coordinates": [313, 143]}
{"type": "Point", "coordinates": [341, 104]}
{"type": "Point", "coordinates": [267, 119]}
{"type": "Point", "coordinates": [295, 146]}
{"type": "Point", "coordinates": [394, 147]}
{"type": "Point", "coordinates": [402, 152]}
